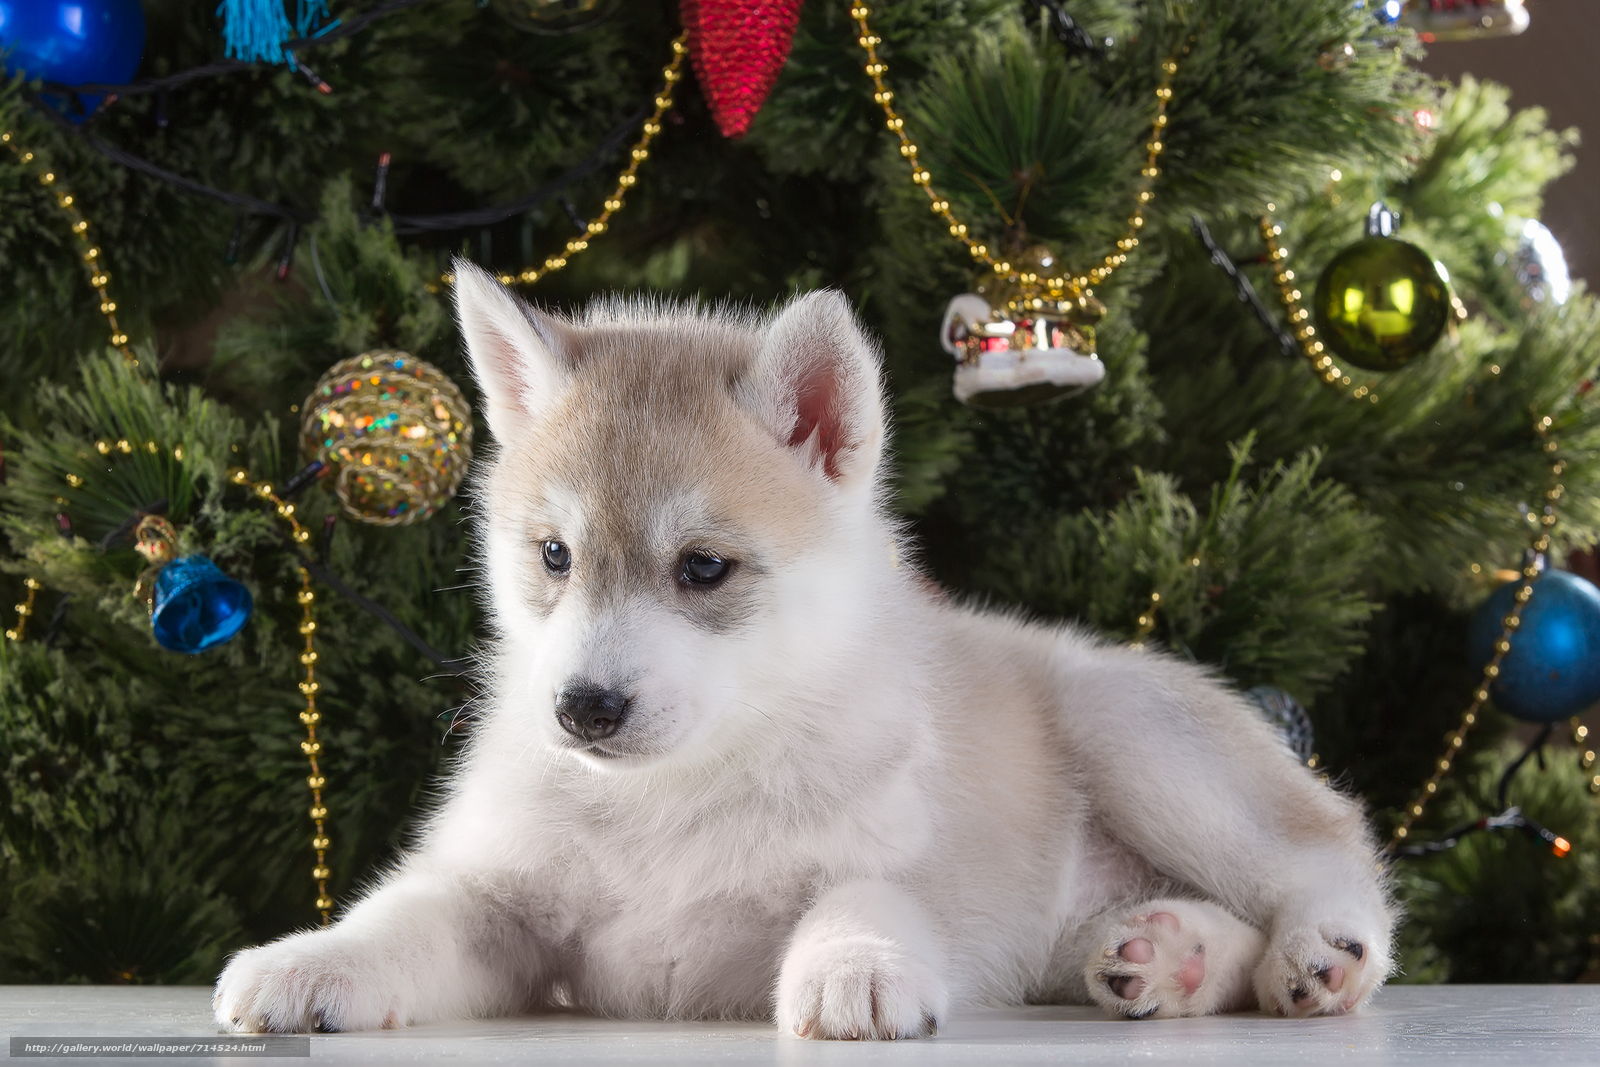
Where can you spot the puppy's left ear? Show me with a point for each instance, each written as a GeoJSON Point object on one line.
{"type": "Point", "coordinates": [815, 384]}
{"type": "Point", "coordinates": [521, 357]}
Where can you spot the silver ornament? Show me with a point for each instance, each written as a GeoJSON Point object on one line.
{"type": "Point", "coordinates": [1540, 263]}
{"type": "Point", "coordinates": [1288, 717]}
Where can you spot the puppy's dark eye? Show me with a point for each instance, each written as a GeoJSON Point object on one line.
{"type": "Point", "coordinates": [557, 557]}
{"type": "Point", "coordinates": [702, 568]}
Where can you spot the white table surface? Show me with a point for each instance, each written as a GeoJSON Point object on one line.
{"type": "Point", "coordinates": [1526, 1026]}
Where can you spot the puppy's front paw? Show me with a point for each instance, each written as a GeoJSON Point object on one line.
{"type": "Point", "coordinates": [858, 988]}
{"type": "Point", "coordinates": [312, 981]}
{"type": "Point", "coordinates": [1312, 971]}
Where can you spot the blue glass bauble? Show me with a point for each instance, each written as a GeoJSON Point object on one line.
{"type": "Point", "coordinates": [1553, 669]}
{"type": "Point", "coordinates": [73, 42]}
{"type": "Point", "coordinates": [197, 606]}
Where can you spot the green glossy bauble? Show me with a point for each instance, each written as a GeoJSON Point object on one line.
{"type": "Point", "coordinates": [1381, 303]}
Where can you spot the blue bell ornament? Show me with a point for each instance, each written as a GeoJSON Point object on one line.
{"type": "Point", "coordinates": [193, 605]}
{"type": "Point", "coordinates": [196, 606]}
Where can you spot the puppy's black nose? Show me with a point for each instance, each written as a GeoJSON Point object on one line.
{"type": "Point", "coordinates": [590, 711]}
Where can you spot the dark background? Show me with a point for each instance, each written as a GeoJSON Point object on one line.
{"type": "Point", "coordinates": [1556, 65]}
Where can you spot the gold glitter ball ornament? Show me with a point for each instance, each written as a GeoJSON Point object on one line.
{"type": "Point", "coordinates": [395, 432]}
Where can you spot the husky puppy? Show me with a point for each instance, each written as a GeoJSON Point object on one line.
{"type": "Point", "coordinates": [738, 761]}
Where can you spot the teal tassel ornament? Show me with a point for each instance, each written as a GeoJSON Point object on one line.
{"type": "Point", "coordinates": [255, 30]}
{"type": "Point", "coordinates": [307, 14]}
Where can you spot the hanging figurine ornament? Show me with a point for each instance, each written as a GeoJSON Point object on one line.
{"type": "Point", "coordinates": [1016, 345]}
{"type": "Point", "coordinates": [193, 605]}
{"type": "Point", "coordinates": [1464, 20]}
{"type": "Point", "coordinates": [1382, 302]}
{"type": "Point", "coordinates": [395, 432]}
{"type": "Point", "coordinates": [1025, 334]}
{"type": "Point", "coordinates": [738, 48]}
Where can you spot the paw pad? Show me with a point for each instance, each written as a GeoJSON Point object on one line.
{"type": "Point", "coordinates": [1139, 950]}
{"type": "Point", "coordinates": [1307, 973]}
{"type": "Point", "coordinates": [1126, 986]}
{"type": "Point", "coordinates": [1153, 965]}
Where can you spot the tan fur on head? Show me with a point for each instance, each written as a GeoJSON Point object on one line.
{"type": "Point", "coordinates": [807, 372]}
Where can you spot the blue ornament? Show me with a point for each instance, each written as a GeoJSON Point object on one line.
{"type": "Point", "coordinates": [1553, 669]}
{"type": "Point", "coordinates": [1386, 12]}
{"type": "Point", "coordinates": [196, 606]}
{"type": "Point", "coordinates": [73, 42]}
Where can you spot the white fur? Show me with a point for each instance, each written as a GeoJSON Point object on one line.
{"type": "Point", "coordinates": [856, 808]}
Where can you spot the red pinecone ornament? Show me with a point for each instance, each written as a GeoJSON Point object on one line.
{"type": "Point", "coordinates": [738, 47]}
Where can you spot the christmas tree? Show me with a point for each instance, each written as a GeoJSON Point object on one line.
{"type": "Point", "coordinates": [255, 203]}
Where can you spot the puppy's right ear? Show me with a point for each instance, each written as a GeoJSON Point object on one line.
{"type": "Point", "coordinates": [519, 356]}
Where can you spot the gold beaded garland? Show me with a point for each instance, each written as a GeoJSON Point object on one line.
{"type": "Point", "coordinates": [309, 687]}
{"type": "Point", "coordinates": [91, 254]}
{"type": "Point", "coordinates": [1586, 757]}
{"type": "Point", "coordinates": [1299, 318]}
{"type": "Point", "coordinates": [1145, 625]}
{"type": "Point", "coordinates": [396, 432]}
{"type": "Point", "coordinates": [1066, 286]}
{"type": "Point", "coordinates": [1455, 740]}
{"type": "Point", "coordinates": [24, 609]}
{"type": "Point", "coordinates": [671, 74]}
{"type": "Point", "coordinates": [311, 746]}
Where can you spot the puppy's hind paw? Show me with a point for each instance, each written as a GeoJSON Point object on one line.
{"type": "Point", "coordinates": [1170, 959]}
{"type": "Point", "coordinates": [858, 988]}
{"type": "Point", "coordinates": [1307, 971]}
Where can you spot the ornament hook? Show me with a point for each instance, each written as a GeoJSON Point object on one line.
{"type": "Point", "coordinates": [1381, 221]}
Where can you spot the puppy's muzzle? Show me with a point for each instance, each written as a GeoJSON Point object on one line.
{"type": "Point", "coordinates": [590, 711]}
